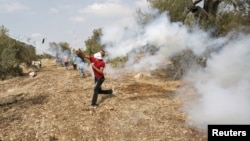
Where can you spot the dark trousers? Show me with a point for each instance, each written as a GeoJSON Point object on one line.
{"type": "Point", "coordinates": [98, 89]}
{"type": "Point", "coordinates": [74, 66]}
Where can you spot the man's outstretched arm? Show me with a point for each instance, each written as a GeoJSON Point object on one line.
{"type": "Point", "coordinates": [81, 54]}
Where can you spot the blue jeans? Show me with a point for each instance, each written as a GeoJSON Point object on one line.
{"type": "Point", "coordinates": [81, 68]}
{"type": "Point", "coordinates": [98, 89]}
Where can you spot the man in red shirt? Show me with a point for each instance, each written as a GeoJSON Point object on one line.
{"type": "Point", "coordinates": [98, 66]}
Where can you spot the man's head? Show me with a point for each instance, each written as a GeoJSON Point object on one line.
{"type": "Point", "coordinates": [98, 55]}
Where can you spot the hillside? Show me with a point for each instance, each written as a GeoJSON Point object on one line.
{"type": "Point", "coordinates": [53, 106]}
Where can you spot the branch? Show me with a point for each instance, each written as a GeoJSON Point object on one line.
{"type": "Point", "coordinates": [197, 1]}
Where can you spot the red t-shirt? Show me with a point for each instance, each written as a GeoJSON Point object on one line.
{"type": "Point", "coordinates": [98, 64]}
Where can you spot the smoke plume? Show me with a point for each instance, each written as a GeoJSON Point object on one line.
{"type": "Point", "coordinates": [222, 86]}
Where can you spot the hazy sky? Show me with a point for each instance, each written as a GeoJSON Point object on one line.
{"type": "Point", "coordinates": [71, 21]}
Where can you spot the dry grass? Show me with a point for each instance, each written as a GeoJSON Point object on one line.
{"type": "Point", "coordinates": [54, 107]}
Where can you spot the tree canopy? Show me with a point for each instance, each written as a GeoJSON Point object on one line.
{"type": "Point", "coordinates": [224, 15]}
{"type": "Point", "coordinates": [93, 44]}
{"type": "Point", "coordinates": [13, 53]}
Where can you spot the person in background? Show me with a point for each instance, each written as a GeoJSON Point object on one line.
{"type": "Point", "coordinates": [73, 60]}
{"type": "Point", "coordinates": [66, 62]}
{"type": "Point", "coordinates": [40, 64]}
{"type": "Point", "coordinates": [33, 64]}
{"type": "Point", "coordinates": [59, 61]}
{"type": "Point", "coordinates": [98, 66]}
{"type": "Point", "coordinates": [80, 65]}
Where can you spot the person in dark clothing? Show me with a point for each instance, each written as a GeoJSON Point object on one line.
{"type": "Point", "coordinates": [73, 60]}
{"type": "Point", "coordinates": [98, 66]}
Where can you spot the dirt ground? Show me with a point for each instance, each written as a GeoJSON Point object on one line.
{"type": "Point", "coordinates": [53, 106]}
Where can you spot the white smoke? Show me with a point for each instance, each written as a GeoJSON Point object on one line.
{"type": "Point", "coordinates": [223, 86]}
{"type": "Point", "coordinates": [56, 51]}
{"type": "Point", "coordinates": [169, 39]}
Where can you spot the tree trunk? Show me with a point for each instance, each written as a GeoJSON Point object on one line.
{"type": "Point", "coordinates": [211, 6]}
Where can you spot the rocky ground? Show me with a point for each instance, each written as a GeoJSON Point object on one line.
{"type": "Point", "coordinates": [53, 106]}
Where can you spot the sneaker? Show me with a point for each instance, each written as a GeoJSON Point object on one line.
{"type": "Point", "coordinates": [92, 107]}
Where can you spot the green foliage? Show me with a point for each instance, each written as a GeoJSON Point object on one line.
{"type": "Point", "coordinates": [118, 62]}
{"type": "Point", "coordinates": [230, 22]}
{"type": "Point", "coordinates": [223, 22]}
{"type": "Point", "coordinates": [65, 46]}
{"type": "Point", "coordinates": [59, 48]}
{"type": "Point", "coordinates": [235, 19]}
{"type": "Point", "coordinates": [176, 8]}
{"type": "Point", "coordinates": [45, 55]}
{"type": "Point", "coordinates": [13, 53]}
{"type": "Point", "coordinates": [93, 44]}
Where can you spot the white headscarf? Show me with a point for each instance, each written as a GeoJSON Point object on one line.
{"type": "Point", "coordinates": [98, 55]}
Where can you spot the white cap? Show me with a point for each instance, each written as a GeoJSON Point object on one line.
{"type": "Point", "coordinates": [98, 55]}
